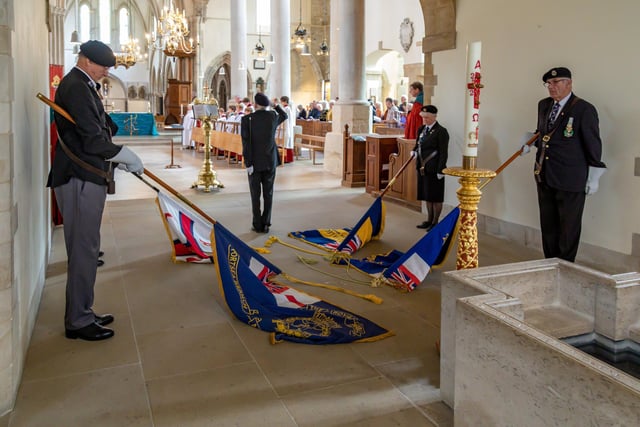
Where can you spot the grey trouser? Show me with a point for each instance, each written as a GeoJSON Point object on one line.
{"type": "Point", "coordinates": [81, 204]}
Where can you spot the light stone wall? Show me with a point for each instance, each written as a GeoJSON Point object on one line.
{"type": "Point", "coordinates": [520, 42]}
{"type": "Point", "coordinates": [24, 203]}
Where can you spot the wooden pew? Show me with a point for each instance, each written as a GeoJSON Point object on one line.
{"type": "Point", "coordinates": [230, 143]}
{"type": "Point", "coordinates": [312, 143]}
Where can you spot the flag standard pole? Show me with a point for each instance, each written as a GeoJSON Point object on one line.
{"type": "Point", "coordinates": [393, 180]}
{"type": "Point", "coordinates": [58, 109]}
{"type": "Point", "coordinates": [510, 159]}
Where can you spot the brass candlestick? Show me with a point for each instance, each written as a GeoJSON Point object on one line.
{"type": "Point", "coordinates": [207, 111]}
{"type": "Point", "coordinates": [469, 196]}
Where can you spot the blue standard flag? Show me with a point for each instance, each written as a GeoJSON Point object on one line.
{"type": "Point", "coordinates": [246, 282]}
{"type": "Point", "coordinates": [345, 240]}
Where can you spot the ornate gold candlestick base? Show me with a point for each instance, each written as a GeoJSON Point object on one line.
{"type": "Point", "coordinates": [207, 177]}
{"type": "Point", "coordinates": [469, 196]}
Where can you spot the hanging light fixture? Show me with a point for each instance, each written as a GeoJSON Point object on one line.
{"type": "Point", "coordinates": [75, 37]}
{"type": "Point", "coordinates": [131, 53]}
{"type": "Point", "coordinates": [300, 38]}
{"type": "Point", "coordinates": [222, 72]}
{"type": "Point", "coordinates": [171, 34]}
{"type": "Point", "coordinates": [259, 50]}
{"type": "Point", "coordinates": [323, 49]}
{"type": "Point", "coordinates": [305, 50]}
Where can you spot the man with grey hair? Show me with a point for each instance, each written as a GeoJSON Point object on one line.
{"type": "Point", "coordinates": [80, 173]}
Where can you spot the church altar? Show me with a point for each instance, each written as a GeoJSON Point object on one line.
{"type": "Point", "coordinates": [134, 124]}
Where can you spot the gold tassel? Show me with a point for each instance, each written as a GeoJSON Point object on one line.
{"type": "Point", "coordinates": [369, 297]}
{"type": "Point", "coordinates": [262, 250]}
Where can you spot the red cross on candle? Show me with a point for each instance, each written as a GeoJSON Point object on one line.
{"type": "Point", "coordinates": [474, 88]}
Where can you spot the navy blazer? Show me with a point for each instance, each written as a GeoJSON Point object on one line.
{"type": "Point", "coordinates": [89, 139]}
{"type": "Point", "coordinates": [574, 146]}
{"type": "Point", "coordinates": [436, 140]}
{"type": "Point", "coordinates": [258, 132]}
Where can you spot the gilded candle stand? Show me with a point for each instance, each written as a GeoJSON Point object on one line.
{"type": "Point", "coordinates": [469, 196]}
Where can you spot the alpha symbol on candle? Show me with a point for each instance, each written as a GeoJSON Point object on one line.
{"type": "Point", "coordinates": [474, 87]}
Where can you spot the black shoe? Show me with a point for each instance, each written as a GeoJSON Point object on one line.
{"type": "Point", "coordinates": [425, 224]}
{"type": "Point", "coordinates": [431, 227]}
{"type": "Point", "coordinates": [265, 229]}
{"type": "Point", "coordinates": [92, 332]}
{"type": "Point", "coordinates": [100, 254]}
{"type": "Point", "coordinates": [104, 320]}
{"type": "Point", "coordinates": [100, 262]}
{"type": "Point", "coordinates": [257, 230]}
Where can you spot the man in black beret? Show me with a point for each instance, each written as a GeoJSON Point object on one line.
{"type": "Point", "coordinates": [568, 163]}
{"type": "Point", "coordinates": [260, 155]}
{"type": "Point", "coordinates": [81, 170]}
{"type": "Point", "coordinates": [432, 152]}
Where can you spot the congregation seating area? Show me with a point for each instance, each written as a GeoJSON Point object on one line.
{"type": "Point", "coordinates": [226, 143]}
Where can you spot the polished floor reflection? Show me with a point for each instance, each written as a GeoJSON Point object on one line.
{"type": "Point", "coordinates": [180, 359]}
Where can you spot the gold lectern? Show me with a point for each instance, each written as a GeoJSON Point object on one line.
{"type": "Point", "coordinates": [206, 110]}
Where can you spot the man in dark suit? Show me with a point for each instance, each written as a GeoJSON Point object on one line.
{"type": "Point", "coordinates": [260, 155]}
{"type": "Point", "coordinates": [432, 151]}
{"type": "Point", "coordinates": [79, 176]}
{"type": "Point", "coordinates": [568, 163]}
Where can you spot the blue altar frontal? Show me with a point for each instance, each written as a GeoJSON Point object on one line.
{"type": "Point", "coordinates": [135, 124]}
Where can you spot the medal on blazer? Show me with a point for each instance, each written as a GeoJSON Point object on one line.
{"type": "Point", "coordinates": [568, 130]}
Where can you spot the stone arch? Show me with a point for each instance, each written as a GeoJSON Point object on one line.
{"type": "Point", "coordinates": [439, 34]}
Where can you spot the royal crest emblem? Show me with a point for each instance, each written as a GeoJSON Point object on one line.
{"type": "Point", "coordinates": [406, 34]}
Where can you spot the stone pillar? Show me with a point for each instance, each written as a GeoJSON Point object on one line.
{"type": "Point", "coordinates": [238, 67]}
{"type": "Point", "coordinates": [352, 108]}
{"type": "Point", "coordinates": [56, 42]}
{"type": "Point", "coordinates": [280, 72]}
{"type": "Point", "coordinates": [334, 57]}
{"type": "Point", "coordinates": [195, 69]}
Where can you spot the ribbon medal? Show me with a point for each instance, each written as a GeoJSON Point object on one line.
{"type": "Point", "coordinates": [568, 130]}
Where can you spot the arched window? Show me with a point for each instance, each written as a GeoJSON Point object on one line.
{"type": "Point", "coordinates": [105, 20]}
{"type": "Point", "coordinates": [123, 23]}
{"type": "Point", "coordinates": [85, 23]}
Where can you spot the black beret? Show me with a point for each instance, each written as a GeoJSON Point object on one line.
{"type": "Point", "coordinates": [262, 99]}
{"type": "Point", "coordinates": [558, 72]}
{"type": "Point", "coordinates": [429, 109]}
{"type": "Point", "coordinates": [98, 52]}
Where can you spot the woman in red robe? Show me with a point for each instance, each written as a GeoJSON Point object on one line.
{"type": "Point", "coordinates": [414, 121]}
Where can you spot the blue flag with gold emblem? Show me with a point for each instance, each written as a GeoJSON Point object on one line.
{"type": "Point", "coordinates": [348, 240]}
{"type": "Point", "coordinates": [247, 282]}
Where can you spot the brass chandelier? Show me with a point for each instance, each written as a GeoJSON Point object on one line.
{"type": "Point", "coordinates": [171, 33]}
{"type": "Point", "coordinates": [131, 53]}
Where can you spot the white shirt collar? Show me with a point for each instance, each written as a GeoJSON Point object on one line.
{"type": "Point", "coordinates": [564, 100]}
{"type": "Point", "coordinates": [91, 82]}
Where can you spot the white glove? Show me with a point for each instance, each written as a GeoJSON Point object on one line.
{"type": "Point", "coordinates": [440, 176]}
{"type": "Point", "coordinates": [250, 170]}
{"type": "Point", "coordinates": [413, 153]}
{"type": "Point", "coordinates": [593, 180]}
{"type": "Point", "coordinates": [523, 140]}
{"type": "Point", "coordinates": [129, 159]}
